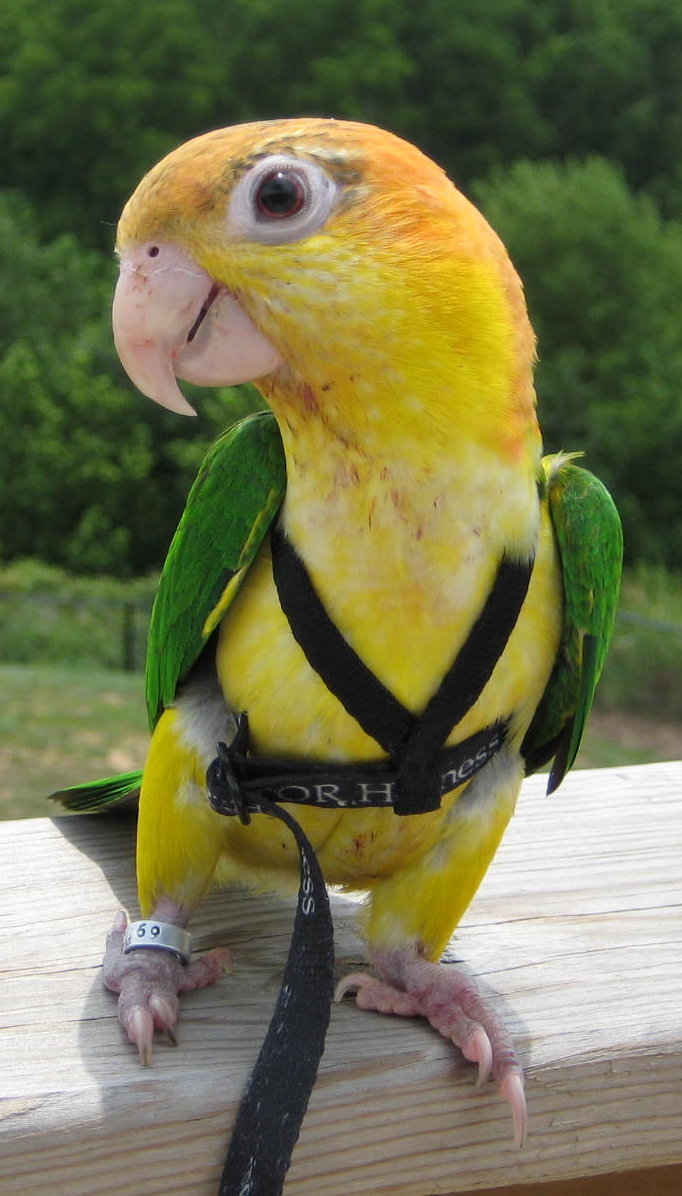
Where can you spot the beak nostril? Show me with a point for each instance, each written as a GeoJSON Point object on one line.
{"type": "Point", "coordinates": [172, 320]}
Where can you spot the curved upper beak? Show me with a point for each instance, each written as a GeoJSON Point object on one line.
{"type": "Point", "coordinates": [172, 320]}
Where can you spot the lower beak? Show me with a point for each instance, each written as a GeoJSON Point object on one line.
{"type": "Point", "coordinates": [172, 320]}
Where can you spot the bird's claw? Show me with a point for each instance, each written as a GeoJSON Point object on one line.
{"type": "Point", "coordinates": [478, 1049]}
{"type": "Point", "coordinates": [512, 1090]}
{"type": "Point", "coordinates": [411, 986]}
{"type": "Point", "coordinates": [148, 982]}
{"type": "Point", "coordinates": [140, 1030]}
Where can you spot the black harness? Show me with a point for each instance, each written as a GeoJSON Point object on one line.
{"type": "Point", "coordinates": [412, 781]}
{"type": "Point", "coordinates": [419, 770]}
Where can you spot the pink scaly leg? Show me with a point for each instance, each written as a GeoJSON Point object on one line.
{"type": "Point", "coordinates": [410, 986]}
{"type": "Point", "coordinates": [149, 981]}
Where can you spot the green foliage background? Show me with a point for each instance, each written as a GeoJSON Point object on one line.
{"type": "Point", "coordinates": [562, 119]}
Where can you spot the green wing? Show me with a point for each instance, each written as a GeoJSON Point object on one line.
{"type": "Point", "coordinates": [589, 542]}
{"type": "Point", "coordinates": [94, 796]}
{"type": "Point", "coordinates": [229, 509]}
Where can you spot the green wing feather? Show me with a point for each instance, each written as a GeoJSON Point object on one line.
{"type": "Point", "coordinates": [94, 796]}
{"type": "Point", "coordinates": [589, 542]}
{"type": "Point", "coordinates": [229, 509]}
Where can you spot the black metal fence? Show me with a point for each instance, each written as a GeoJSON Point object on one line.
{"type": "Point", "coordinates": [84, 631]}
{"type": "Point", "coordinates": [643, 672]}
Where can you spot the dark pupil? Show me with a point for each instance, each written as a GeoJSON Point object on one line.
{"type": "Point", "coordinates": [280, 194]}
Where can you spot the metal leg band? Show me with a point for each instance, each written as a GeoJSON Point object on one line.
{"type": "Point", "coordinates": [162, 936]}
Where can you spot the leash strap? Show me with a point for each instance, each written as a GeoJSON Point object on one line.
{"type": "Point", "coordinates": [277, 1094]}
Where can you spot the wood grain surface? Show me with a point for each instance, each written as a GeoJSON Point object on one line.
{"type": "Point", "coordinates": [576, 933]}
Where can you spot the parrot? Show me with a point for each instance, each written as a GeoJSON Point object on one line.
{"type": "Point", "coordinates": [397, 465]}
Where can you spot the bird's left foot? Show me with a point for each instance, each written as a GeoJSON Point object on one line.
{"type": "Point", "coordinates": [411, 986]}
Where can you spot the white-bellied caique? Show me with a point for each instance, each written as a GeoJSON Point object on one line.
{"type": "Point", "coordinates": [380, 317]}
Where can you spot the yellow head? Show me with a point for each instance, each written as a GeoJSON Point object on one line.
{"type": "Point", "coordinates": [338, 267]}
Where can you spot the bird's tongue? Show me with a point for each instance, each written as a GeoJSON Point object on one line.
{"type": "Point", "coordinates": [171, 320]}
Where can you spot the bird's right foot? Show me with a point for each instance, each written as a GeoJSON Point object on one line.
{"type": "Point", "coordinates": [148, 982]}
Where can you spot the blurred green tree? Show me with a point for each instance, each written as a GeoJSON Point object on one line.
{"type": "Point", "coordinates": [92, 92]}
{"type": "Point", "coordinates": [91, 477]}
{"type": "Point", "coordinates": [608, 79]}
{"type": "Point", "coordinates": [603, 277]}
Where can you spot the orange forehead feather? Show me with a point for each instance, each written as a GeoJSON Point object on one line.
{"type": "Point", "coordinates": [196, 178]}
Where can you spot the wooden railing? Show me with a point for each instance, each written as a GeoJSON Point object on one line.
{"type": "Point", "coordinates": [577, 929]}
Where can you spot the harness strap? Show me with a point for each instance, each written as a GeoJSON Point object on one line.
{"type": "Point", "coordinates": [413, 743]}
{"type": "Point", "coordinates": [467, 677]}
{"type": "Point", "coordinates": [237, 783]}
{"type": "Point", "coordinates": [362, 694]}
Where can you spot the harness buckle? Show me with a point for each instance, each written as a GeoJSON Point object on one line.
{"type": "Point", "coordinates": [222, 784]}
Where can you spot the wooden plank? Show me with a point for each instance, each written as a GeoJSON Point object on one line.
{"type": "Point", "coordinates": [577, 928]}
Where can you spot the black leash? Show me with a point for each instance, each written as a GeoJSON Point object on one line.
{"type": "Point", "coordinates": [276, 1097]}
{"type": "Point", "coordinates": [419, 771]}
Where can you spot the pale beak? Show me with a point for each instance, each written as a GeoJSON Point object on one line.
{"type": "Point", "coordinates": [172, 320]}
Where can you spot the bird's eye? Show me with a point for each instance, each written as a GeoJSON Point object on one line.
{"type": "Point", "coordinates": [280, 194]}
{"type": "Point", "coordinates": [281, 199]}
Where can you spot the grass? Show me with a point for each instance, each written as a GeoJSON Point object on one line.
{"type": "Point", "coordinates": [643, 670]}
{"type": "Point", "coordinates": [87, 622]}
{"type": "Point", "coordinates": [60, 726]}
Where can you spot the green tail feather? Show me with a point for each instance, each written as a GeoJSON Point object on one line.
{"type": "Point", "coordinates": [99, 795]}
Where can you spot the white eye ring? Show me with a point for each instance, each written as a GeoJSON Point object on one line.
{"type": "Point", "coordinates": [317, 196]}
